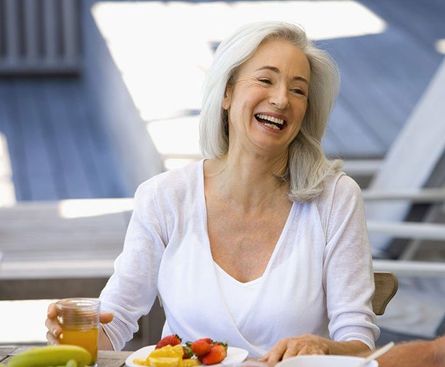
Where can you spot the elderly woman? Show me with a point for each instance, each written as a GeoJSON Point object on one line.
{"type": "Point", "coordinates": [263, 244]}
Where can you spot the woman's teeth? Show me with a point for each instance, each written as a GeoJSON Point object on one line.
{"type": "Point", "coordinates": [270, 121]}
{"type": "Point", "coordinates": [271, 126]}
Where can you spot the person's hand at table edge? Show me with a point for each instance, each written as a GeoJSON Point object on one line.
{"type": "Point", "coordinates": [311, 344]}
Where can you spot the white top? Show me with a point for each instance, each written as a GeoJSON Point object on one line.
{"type": "Point", "coordinates": [318, 280]}
{"type": "Point", "coordinates": [239, 297]}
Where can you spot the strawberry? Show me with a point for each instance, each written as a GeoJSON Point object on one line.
{"type": "Point", "coordinates": [216, 355]}
{"type": "Point", "coordinates": [202, 346]}
{"type": "Point", "coordinates": [168, 340]}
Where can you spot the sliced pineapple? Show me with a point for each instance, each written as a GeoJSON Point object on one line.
{"type": "Point", "coordinates": [165, 361]}
{"type": "Point", "coordinates": [168, 351]}
{"type": "Point", "coordinates": [141, 362]}
{"type": "Point", "coordinates": [190, 362]}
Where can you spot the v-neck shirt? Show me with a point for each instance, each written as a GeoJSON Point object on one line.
{"type": "Point", "coordinates": [318, 280]}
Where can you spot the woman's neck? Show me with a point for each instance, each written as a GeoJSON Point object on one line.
{"type": "Point", "coordinates": [248, 181]}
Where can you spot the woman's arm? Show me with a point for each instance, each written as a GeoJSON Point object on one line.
{"type": "Point", "coordinates": [104, 342]}
{"type": "Point", "coordinates": [347, 267]}
{"type": "Point", "coordinates": [132, 289]}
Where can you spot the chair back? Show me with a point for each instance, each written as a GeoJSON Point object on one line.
{"type": "Point", "coordinates": [386, 285]}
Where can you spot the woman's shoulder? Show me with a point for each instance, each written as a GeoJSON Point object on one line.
{"type": "Point", "coordinates": [338, 187]}
{"type": "Point", "coordinates": [339, 184]}
{"type": "Point", "coordinates": [178, 179]}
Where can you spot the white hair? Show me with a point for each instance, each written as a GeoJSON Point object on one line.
{"type": "Point", "coordinates": [307, 166]}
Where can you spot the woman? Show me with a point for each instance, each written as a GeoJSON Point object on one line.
{"type": "Point", "coordinates": [264, 243]}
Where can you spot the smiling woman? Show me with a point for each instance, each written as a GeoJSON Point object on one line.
{"type": "Point", "coordinates": [268, 44]}
{"type": "Point", "coordinates": [263, 243]}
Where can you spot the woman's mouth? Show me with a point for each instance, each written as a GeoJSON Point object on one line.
{"type": "Point", "coordinates": [271, 121]}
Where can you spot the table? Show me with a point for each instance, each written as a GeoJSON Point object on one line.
{"type": "Point", "coordinates": [106, 358]}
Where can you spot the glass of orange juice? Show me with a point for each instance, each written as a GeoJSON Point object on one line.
{"type": "Point", "coordinates": [79, 318]}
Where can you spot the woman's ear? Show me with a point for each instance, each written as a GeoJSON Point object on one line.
{"type": "Point", "coordinates": [227, 97]}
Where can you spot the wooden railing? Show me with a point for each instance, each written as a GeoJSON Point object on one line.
{"type": "Point", "coordinates": [40, 37]}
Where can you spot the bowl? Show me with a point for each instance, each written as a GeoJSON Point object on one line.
{"type": "Point", "coordinates": [324, 361]}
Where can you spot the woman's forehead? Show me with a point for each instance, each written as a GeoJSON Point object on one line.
{"type": "Point", "coordinates": [278, 54]}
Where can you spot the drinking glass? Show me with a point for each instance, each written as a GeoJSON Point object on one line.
{"type": "Point", "coordinates": [79, 318]}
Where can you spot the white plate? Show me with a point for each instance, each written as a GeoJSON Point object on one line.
{"type": "Point", "coordinates": [324, 361]}
{"type": "Point", "coordinates": [234, 355]}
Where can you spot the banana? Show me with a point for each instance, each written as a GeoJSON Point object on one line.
{"type": "Point", "coordinates": [71, 363]}
{"type": "Point", "coordinates": [52, 355]}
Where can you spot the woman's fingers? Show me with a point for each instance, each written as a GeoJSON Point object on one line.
{"type": "Point", "coordinates": [105, 317]}
{"type": "Point", "coordinates": [52, 324]}
{"type": "Point", "coordinates": [52, 311]}
{"type": "Point", "coordinates": [276, 353]}
{"type": "Point", "coordinates": [51, 339]}
{"type": "Point", "coordinates": [294, 348]}
{"type": "Point", "coordinates": [290, 347]}
{"type": "Point", "coordinates": [53, 327]}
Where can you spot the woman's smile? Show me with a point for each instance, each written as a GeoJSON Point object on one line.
{"type": "Point", "coordinates": [271, 121]}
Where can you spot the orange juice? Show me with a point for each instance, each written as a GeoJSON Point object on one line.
{"type": "Point", "coordinates": [79, 318]}
{"type": "Point", "coordinates": [86, 338]}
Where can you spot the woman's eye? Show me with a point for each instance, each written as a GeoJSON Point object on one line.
{"type": "Point", "coordinates": [298, 91]}
{"type": "Point", "coordinates": [265, 81]}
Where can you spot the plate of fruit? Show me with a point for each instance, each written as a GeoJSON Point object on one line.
{"type": "Point", "coordinates": [170, 351]}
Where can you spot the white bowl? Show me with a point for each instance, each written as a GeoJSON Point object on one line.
{"type": "Point", "coordinates": [324, 361]}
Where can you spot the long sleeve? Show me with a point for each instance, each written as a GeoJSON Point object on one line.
{"type": "Point", "coordinates": [132, 289]}
{"type": "Point", "coordinates": [348, 274]}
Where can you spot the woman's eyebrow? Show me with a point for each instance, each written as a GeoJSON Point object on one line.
{"type": "Point", "coordinates": [276, 70]}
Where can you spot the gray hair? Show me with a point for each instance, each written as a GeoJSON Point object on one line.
{"type": "Point", "coordinates": [307, 166]}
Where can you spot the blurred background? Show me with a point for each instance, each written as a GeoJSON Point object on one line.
{"type": "Point", "coordinates": [98, 96]}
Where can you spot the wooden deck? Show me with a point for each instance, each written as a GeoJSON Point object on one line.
{"type": "Point", "coordinates": [58, 149]}
{"type": "Point", "coordinates": [66, 239]}
{"type": "Point", "coordinates": [384, 75]}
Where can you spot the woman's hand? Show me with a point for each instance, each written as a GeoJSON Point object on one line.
{"type": "Point", "coordinates": [289, 347]}
{"type": "Point", "coordinates": [55, 329]}
{"type": "Point", "coordinates": [312, 344]}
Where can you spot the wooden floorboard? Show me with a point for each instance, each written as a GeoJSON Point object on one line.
{"type": "Point", "coordinates": [70, 166]}
{"type": "Point", "coordinates": [420, 20]}
{"type": "Point", "coordinates": [39, 161]}
{"type": "Point", "coordinates": [384, 75]}
{"type": "Point", "coordinates": [79, 230]}
{"type": "Point", "coordinates": [58, 149]}
{"type": "Point", "coordinates": [11, 128]}
{"type": "Point", "coordinates": [342, 128]}
{"type": "Point", "coordinates": [104, 169]}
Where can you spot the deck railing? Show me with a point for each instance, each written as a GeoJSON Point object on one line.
{"type": "Point", "coordinates": [39, 36]}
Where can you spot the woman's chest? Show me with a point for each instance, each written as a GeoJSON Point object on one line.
{"type": "Point", "coordinates": [243, 244]}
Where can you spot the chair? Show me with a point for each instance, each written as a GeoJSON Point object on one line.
{"type": "Point", "coordinates": [386, 286]}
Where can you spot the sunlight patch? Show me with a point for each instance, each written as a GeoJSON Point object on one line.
{"type": "Point", "coordinates": [7, 197]}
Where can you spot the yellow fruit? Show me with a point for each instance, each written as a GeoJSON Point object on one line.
{"type": "Point", "coordinates": [190, 362]}
{"type": "Point", "coordinates": [51, 355]}
{"type": "Point", "coordinates": [168, 351]}
{"type": "Point", "coordinates": [141, 362]}
{"type": "Point", "coordinates": [71, 363]}
{"type": "Point", "coordinates": [165, 361]}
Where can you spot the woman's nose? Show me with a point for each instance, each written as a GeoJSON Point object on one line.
{"type": "Point", "coordinates": [279, 98]}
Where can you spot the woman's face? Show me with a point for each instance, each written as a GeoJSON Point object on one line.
{"type": "Point", "coordinates": [267, 100]}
